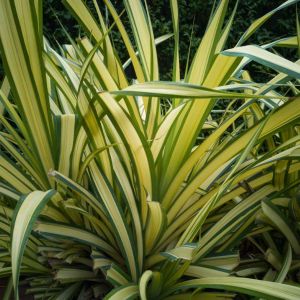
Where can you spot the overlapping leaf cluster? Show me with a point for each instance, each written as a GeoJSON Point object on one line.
{"type": "Point", "coordinates": [144, 189]}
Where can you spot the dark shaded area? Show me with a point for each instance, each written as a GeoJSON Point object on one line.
{"type": "Point", "coordinates": [22, 290]}
{"type": "Point", "coordinates": [194, 16]}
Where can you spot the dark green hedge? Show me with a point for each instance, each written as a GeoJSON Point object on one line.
{"type": "Point", "coordinates": [191, 12]}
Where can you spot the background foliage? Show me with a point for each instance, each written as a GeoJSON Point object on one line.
{"type": "Point", "coordinates": [194, 15]}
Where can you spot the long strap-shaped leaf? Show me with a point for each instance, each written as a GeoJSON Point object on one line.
{"type": "Point", "coordinates": [128, 191]}
{"type": "Point", "coordinates": [236, 216]}
{"type": "Point", "coordinates": [61, 82]}
{"type": "Point", "coordinates": [282, 223]}
{"type": "Point", "coordinates": [144, 38]}
{"type": "Point", "coordinates": [253, 287]}
{"type": "Point", "coordinates": [94, 130]}
{"type": "Point", "coordinates": [84, 16]}
{"type": "Point", "coordinates": [206, 52]}
{"type": "Point", "coordinates": [187, 127]}
{"type": "Point", "coordinates": [121, 229]}
{"type": "Point", "coordinates": [25, 216]}
{"type": "Point", "coordinates": [10, 172]}
{"type": "Point", "coordinates": [182, 90]}
{"type": "Point", "coordinates": [199, 219]}
{"type": "Point", "coordinates": [78, 235]}
{"type": "Point", "coordinates": [155, 225]}
{"type": "Point", "coordinates": [266, 58]}
{"type": "Point", "coordinates": [175, 20]}
{"type": "Point", "coordinates": [285, 115]}
{"type": "Point", "coordinates": [125, 292]}
{"type": "Point", "coordinates": [5, 89]}
{"type": "Point", "coordinates": [143, 35]}
{"type": "Point", "coordinates": [102, 74]}
{"type": "Point", "coordinates": [65, 131]}
{"type": "Point", "coordinates": [21, 51]}
{"type": "Point", "coordinates": [197, 155]}
{"type": "Point", "coordinates": [138, 149]}
{"type": "Point", "coordinates": [209, 70]}
{"type": "Point", "coordinates": [145, 278]}
{"type": "Point", "coordinates": [201, 149]}
{"type": "Point", "coordinates": [84, 194]}
{"type": "Point", "coordinates": [260, 21]}
{"type": "Point", "coordinates": [180, 222]}
{"type": "Point", "coordinates": [136, 64]}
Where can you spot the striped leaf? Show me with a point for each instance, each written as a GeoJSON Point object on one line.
{"type": "Point", "coordinates": [26, 213]}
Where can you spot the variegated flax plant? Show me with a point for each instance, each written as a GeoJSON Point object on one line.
{"type": "Point", "coordinates": [145, 189]}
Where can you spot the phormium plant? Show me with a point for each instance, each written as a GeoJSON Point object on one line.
{"type": "Point", "coordinates": [146, 189]}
